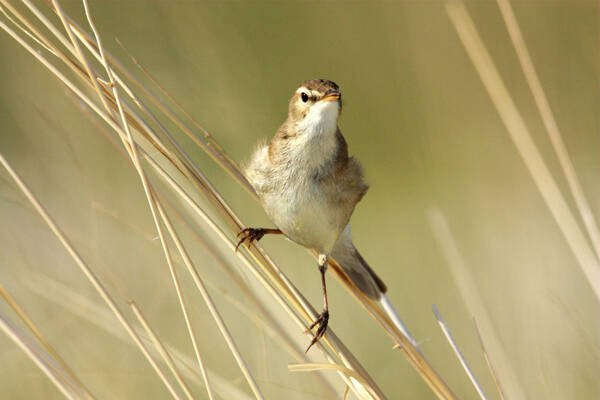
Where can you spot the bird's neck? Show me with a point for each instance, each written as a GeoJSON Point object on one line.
{"type": "Point", "coordinates": [318, 124]}
{"type": "Point", "coordinates": [305, 152]}
{"type": "Point", "coordinates": [315, 145]}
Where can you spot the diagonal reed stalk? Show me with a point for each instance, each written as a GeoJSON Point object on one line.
{"type": "Point", "coordinates": [89, 310]}
{"type": "Point", "coordinates": [52, 372]}
{"type": "Point", "coordinates": [521, 137]}
{"type": "Point", "coordinates": [72, 377]}
{"type": "Point", "coordinates": [472, 299]}
{"type": "Point", "coordinates": [458, 353]}
{"type": "Point", "coordinates": [550, 124]}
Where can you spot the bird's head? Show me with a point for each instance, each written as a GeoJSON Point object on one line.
{"type": "Point", "coordinates": [316, 105]}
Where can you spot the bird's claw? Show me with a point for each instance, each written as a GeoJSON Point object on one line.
{"type": "Point", "coordinates": [322, 320]}
{"type": "Point", "coordinates": [249, 235]}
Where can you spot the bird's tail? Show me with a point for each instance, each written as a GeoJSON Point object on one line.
{"type": "Point", "coordinates": [363, 276]}
{"type": "Point", "coordinates": [356, 267]}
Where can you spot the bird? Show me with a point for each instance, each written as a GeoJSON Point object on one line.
{"type": "Point", "coordinates": [309, 187]}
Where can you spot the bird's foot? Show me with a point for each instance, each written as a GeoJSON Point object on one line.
{"type": "Point", "coordinates": [322, 320]}
{"type": "Point", "coordinates": [250, 235]}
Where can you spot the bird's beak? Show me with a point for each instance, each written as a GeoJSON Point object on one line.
{"type": "Point", "coordinates": [331, 96]}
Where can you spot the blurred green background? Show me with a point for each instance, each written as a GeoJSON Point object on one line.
{"type": "Point", "coordinates": [415, 113]}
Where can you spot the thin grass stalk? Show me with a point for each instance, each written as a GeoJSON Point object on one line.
{"type": "Point", "coordinates": [211, 141]}
{"type": "Point", "coordinates": [412, 354]}
{"type": "Point", "coordinates": [154, 204]}
{"type": "Point", "coordinates": [471, 297]}
{"type": "Point", "coordinates": [212, 148]}
{"type": "Point", "coordinates": [87, 271]}
{"type": "Point", "coordinates": [160, 348]}
{"type": "Point", "coordinates": [17, 338]}
{"type": "Point", "coordinates": [205, 186]}
{"type": "Point", "coordinates": [131, 147]}
{"type": "Point", "coordinates": [57, 34]}
{"type": "Point", "coordinates": [489, 362]}
{"type": "Point", "coordinates": [458, 353]}
{"type": "Point", "coordinates": [483, 63]}
{"type": "Point", "coordinates": [140, 125]}
{"type": "Point", "coordinates": [79, 386]}
{"type": "Point", "coordinates": [88, 310]}
{"type": "Point", "coordinates": [351, 374]}
{"type": "Point", "coordinates": [25, 30]}
{"type": "Point", "coordinates": [210, 304]}
{"type": "Point", "coordinates": [135, 160]}
{"type": "Point", "coordinates": [32, 31]}
{"type": "Point", "coordinates": [550, 124]}
{"type": "Point", "coordinates": [80, 56]}
{"type": "Point", "coordinates": [190, 329]}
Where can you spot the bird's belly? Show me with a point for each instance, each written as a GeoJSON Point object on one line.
{"type": "Point", "coordinates": [306, 217]}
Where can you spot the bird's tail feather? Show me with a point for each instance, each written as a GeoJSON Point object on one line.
{"type": "Point", "coordinates": [386, 304]}
{"type": "Point", "coordinates": [356, 267]}
{"type": "Point", "coordinates": [363, 276]}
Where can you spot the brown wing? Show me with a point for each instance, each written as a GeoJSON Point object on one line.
{"type": "Point", "coordinates": [348, 174]}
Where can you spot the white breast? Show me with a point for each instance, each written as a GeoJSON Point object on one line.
{"type": "Point", "coordinates": [292, 198]}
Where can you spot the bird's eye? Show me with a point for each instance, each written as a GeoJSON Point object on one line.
{"type": "Point", "coordinates": [304, 97]}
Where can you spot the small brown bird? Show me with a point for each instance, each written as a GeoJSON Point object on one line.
{"type": "Point", "coordinates": [309, 186]}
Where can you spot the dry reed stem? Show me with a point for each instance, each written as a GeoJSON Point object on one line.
{"type": "Point", "coordinates": [25, 30]}
{"type": "Point", "coordinates": [49, 348]}
{"type": "Point", "coordinates": [219, 153]}
{"type": "Point", "coordinates": [489, 362]}
{"type": "Point", "coordinates": [191, 332]}
{"type": "Point", "coordinates": [210, 304]}
{"type": "Point", "coordinates": [19, 339]}
{"type": "Point", "coordinates": [79, 54]}
{"type": "Point", "coordinates": [87, 271]}
{"type": "Point", "coordinates": [521, 137]}
{"type": "Point", "coordinates": [472, 299]}
{"type": "Point", "coordinates": [107, 119]}
{"type": "Point", "coordinates": [160, 348]}
{"type": "Point", "coordinates": [458, 353]}
{"type": "Point", "coordinates": [147, 189]}
{"type": "Point", "coordinates": [94, 313]}
{"type": "Point", "coordinates": [356, 379]}
{"type": "Point", "coordinates": [550, 124]}
{"type": "Point", "coordinates": [154, 204]}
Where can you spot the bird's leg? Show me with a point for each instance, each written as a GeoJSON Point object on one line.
{"type": "Point", "coordinates": [323, 318]}
{"type": "Point", "coordinates": [250, 235]}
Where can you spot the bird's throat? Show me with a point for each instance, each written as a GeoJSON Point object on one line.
{"type": "Point", "coordinates": [321, 120]}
